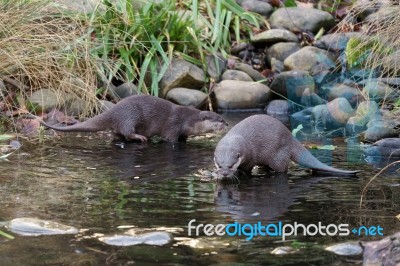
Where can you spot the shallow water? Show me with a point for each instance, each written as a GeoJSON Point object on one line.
{"type": "Point", "coordinates": [84, 180]}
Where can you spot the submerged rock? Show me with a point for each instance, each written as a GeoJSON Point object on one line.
{"type": "Point", "coordinates": [37, 227]}
{"type": "Point", "coordinates": [346, 249]}
{"type": "Point", "coordinates": [153, 238]}
{"type": "Point", "coordinates": [389, 147]}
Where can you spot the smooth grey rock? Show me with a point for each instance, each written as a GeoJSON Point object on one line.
{"type": "Point", "coordinates": [181, 74]}
{"type": "Point", "coordinates": [377, 132]}
{"type": "Point", "coordinates": [186, 97]}
{"type": "Point", "coordinates": [311, 59]}
{"type": "Point", "coordinates": [355, 125]}
{"type": "Point", "coordinates": [216, 65]}
{"type": "Point", "coordinates": [254, 74]}
{"type": "Point", "coordinates": [388, 147]}
{"type": "Point", "coordinates": [378, 91]}
{"type": "Point", "coordinates": [291, 84]}
{"type": "Point", "coordinates": [37, 227]}
{"type": "Point", "coordinates": [46, 99]}
{"type": "Point", "coordinates": [259, 7]}
{"type": "Point", "coordinates": [383, 16]}
{"type": "Point", "coordinates": [105, 105]}
{"type": "Point", "coordinates": [282, 50]}
{"type": "Point", "coordinates": [334, 114]}
{"type": "Point", "coordinates": [277, 66]}
{"type": "Point", "coordinates": [335, 41]}
{"type": "Point", "coordinates": [277, 107]}
{"type": "Point", "coordinates": [75, 106]}
{"type": "Point", "coordinates": [273, 36]}
{"type": "Point", "coordinates": [346, 249]}
{"type": "Point", "coordinates": [340, 90]}
{"type": "Point", "coordinates": [310, 98]}
{"type": "Point", "coordinates": [302, 19]}
{"type": "Point", "coordinates": [125, 90]}
{"type": "Point", "coordinates": [236, 75]}
{"type": "Point", "coordinates": [152, 238]}
{"type": "Point", "coordinates": [235, 94]}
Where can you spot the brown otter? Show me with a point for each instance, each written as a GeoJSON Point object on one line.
{"type": "Point", "coordinates": [140, 117]}
{"type": "Point", "coordinates": [264, 141]}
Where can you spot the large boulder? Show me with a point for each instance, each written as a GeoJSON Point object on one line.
{"type": "Point", "coordinates": [186, 97]}
{"type": "Point", "coordinates": [235, 94]}
{"type": "Point", "coordinates": [181, 74]}
{"type": "Point", "coordinates": [311, 59]}
{"type": "Point", "coordinates": [302, 19]}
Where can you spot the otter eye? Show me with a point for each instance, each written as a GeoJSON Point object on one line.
{"type": "Point", "coordinates": [238, 155]}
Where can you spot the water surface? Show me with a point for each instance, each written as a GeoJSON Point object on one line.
{"type": "Point", "coordinates": [86, 181]}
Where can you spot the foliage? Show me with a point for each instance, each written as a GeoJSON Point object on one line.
{"type": "Point", "coordinates": [142, 41]}
{"type": "Point", "coordinates": [41, 50]}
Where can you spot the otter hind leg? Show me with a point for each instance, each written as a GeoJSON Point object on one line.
{"type": "Point", "coordinates": [279, 163]}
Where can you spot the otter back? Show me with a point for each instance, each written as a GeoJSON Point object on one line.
{"type": "Point", "coordinates": [140, 117]}
{"type": "Point", "coordinates": [264, 141]}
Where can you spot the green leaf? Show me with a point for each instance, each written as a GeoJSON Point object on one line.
{"type": "Point", "coordinates": [289, 3]}
{"type": "Point", "coordinates": [326, 147]}
{"type": "Point", "coordinates": [6, 137]}
{"type": "Point", "coordinates": [296, 130]}
{"type": "Point", "coordinates": [6, 235]}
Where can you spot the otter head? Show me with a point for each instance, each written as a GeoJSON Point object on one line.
{"type": "Point", "coordinates": [227, 160]}
{"type": "Point", "coordinates": [207, 122]}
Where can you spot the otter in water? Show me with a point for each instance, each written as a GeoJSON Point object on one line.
{"type": "Point", "coordinates": [140, 117]}
{"type": "Point", "coordinates": [263, 141]}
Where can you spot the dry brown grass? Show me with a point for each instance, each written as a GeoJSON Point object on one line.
{"type": "Point", "coordinates": [380, 35]}
{"type": "Point", "coordinates": [42, 50]}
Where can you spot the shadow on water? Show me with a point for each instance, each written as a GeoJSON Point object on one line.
{"type": "Point", "coordinates": [88, 182]}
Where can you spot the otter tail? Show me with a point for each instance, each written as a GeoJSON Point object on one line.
{"type": "Point", "coordinates": [98, 123]}
{"type": "Point", "coordinates": [304, 158]}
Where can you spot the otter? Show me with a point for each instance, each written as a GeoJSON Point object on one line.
{"type": "Point", "coordinates": [139, 117]}
{"type": "Point", "coordinates": [263, 141]}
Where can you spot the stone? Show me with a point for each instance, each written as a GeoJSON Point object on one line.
{"type": "Point", "coordinates": [273, 36]}
{"type": "Point", "coordinates": [334, 114]}
{"type": "Point", "coordinates": [235, 94]}
{"type": "Point", "coordinates": [236, 75]}
{"type": "Point", "coordinates": [388, 147]}
{"type": "Point", "coordinates": [46, 99]}
{"type": "Point", "coordinates": [311, 59]}
{"type": "Point", "coordinates": [277, 107]}
{"type": "Point", "coordinates": [216, 65]}
{"type": "Point", "coordinates": [277, 66]}
{"type": "Point", "coordinates": [254, 74]}
{"type": "Point", "coordinates": [378, 90]}
{"type": "Point", "coordinates": [340, 90]}
{"type": "Point", "coordinates": [181, 74]}
{"type": "Point", "coordinates": [125, 90]}
{"type": "Point", "coordinates": [105, 105]}
{"type": "Point", "coordinates": [335, 41]}
{"type": "Point", "coordinates": [302, 19]}
{"type": "Point", "coordinates": [186, 97]}
{"type": "Point", "coordinates": [282, 50]}
{"type": "Point", "coordinates": [259, 7]}
{"type": "Point", "coordinates": [292, 84]}
{"type": "Point", "coordinates": [75, 106]}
